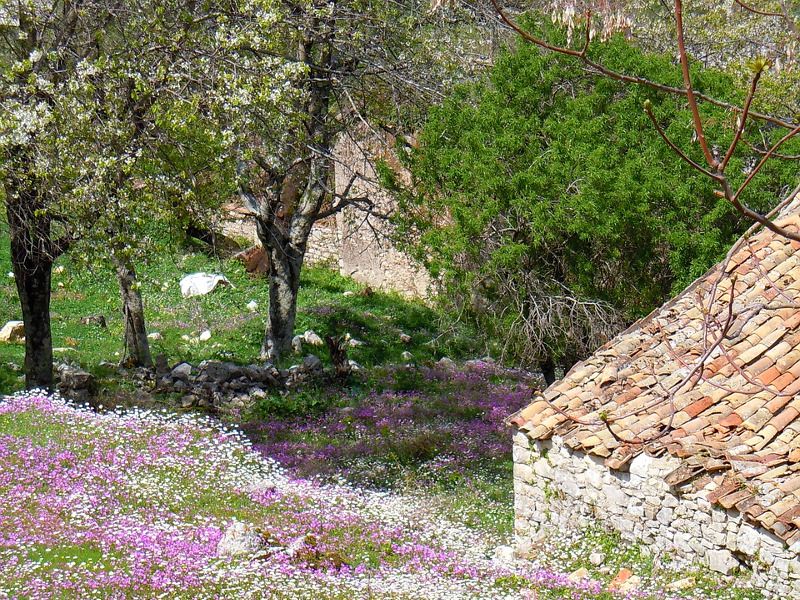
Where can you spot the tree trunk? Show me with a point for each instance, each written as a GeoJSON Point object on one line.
{"type": "Point", "coordinates": [548, 368]}
{"type": "Point", "coordinates": [32, 256]}
{"type": "Point", "coordinates": [137, 348]}
{"type": "Point", "coordinates": [33, 287]}
{"type": "Point", "coordinates": [286, 261]}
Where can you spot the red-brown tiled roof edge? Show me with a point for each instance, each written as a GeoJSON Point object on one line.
{"type": "Point", "coordinates": [735, 421]}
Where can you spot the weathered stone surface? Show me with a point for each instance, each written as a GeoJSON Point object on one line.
{"type": "Point", "coordinates": [181, 371]}
{"type": "Point", "coordinates": [75, 383]}
{"type": "Point", "coordinates": [297, 344]}
{"type": "Point", "coordinates": [722, 561]}
{"type": "Point", "coordinates": [504, 554]}
{"type": "Point", "coordinates": [641, 465]}
{"type": "Point", "coordinates": [597, 558]}
{"type": "Point", "coordinates": [311, 337]}
{"type": "Point", "coordinates": [446, 363]}
{"type": "Point", "coordinates": [615, 496]}
{"type": "Point", "coordinates": [664, 516]}
{"type": "Point", "coordinates": [312, 363]}
{"type": "Point", "coordinates": [644, 509]}
{"type": "Point", "coordinates": [748, 540]}
{"type": "Point", "coordinates": [579, 575]}
{"type": "Point", "coordinates": [13, 331]}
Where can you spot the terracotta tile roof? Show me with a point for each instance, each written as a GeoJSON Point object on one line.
{"type": "Point", "coordinates": [736, 422]}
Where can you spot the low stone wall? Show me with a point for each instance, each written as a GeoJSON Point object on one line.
{"type": "Point", "coordinates": [556, 488]}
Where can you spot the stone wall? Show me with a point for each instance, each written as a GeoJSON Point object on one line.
{"type": "Point", "coordinates": [556, 488]}
{"type": "Point", "coordinates": [323, 243]}
{"type": "Point", "coordinates": [367, 253]}
{"type": "Point", "coordinates": [358, 244]}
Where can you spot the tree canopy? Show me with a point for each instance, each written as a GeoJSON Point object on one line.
{"type": "Point", "coordinates": [545, 182]}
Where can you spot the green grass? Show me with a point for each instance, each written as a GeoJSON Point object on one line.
{"type": "Point", "coordinates": [378, 319]}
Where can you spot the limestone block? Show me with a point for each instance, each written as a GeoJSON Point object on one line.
{"type": "Point", "coordinates": [594, 478]}
{"type": "Point", "coordinates": [571, 488]}
{"type": "Point", "coordinates": [636, 511]}
{"type": "Point", "coordinates": [520, 454]}
{"type": "Point", "coordinates": [615, 497]}
{"type": "Point", "coordinates": [523, 472]}
{"type": "Point", "coordinates": [682, 542]}
{"type": "Point", "coordinates": [521, 440]}
{"type": "Point", "coordinates": [669, 501]}
{"type": "Point", "coordinates": [722, 561]}
{"type": "Point", "coordinates": [623, 525]}
{"type": "Point", "coordinates": [781, 565]}
{"type": "Point", "coordinates": [748, 540]}
{"type": "Point", "coordinates": [730, 540]}
{"type": "Point", "coordinates": [664, 516]}
{"type": "Point", "coordinates": [641, 465]}
{"type": "Point", "coordinates": [714, 537]}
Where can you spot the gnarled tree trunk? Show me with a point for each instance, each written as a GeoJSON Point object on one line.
{"type": "Point", "coordinates": [291, 193]}
{"type": "Point", "coordinates": [137, 347]}
{"type": "Point", "coordinates": [286, 254]}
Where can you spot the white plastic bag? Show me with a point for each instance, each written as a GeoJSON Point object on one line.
{"type": "Point", "coordinates": [200, 284]}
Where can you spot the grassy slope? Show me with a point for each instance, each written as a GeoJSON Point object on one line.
{"type": "Point", "coordinates": [377, 319]}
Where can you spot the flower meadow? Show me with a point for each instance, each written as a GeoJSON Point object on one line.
{"type": "Point", "coordinates": [134, 503]}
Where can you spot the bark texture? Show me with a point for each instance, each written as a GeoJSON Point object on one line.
{"type": "Point", "coordinates": [290, 196]}
{"type": "Point", "coordinates": [32, 256]}
{"type": "Point", "coordinates": [137, 347]}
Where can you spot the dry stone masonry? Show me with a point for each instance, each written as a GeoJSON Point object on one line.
{"type": "Point", "coordinates": [704, 467]}
{"type": "Point", "coordinates": [360, 246]}
{"type": "Point", "coordinates": [556, 488]}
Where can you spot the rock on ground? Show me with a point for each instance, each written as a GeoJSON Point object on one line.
{"type": "Point", "coordinates": [13, 331]}
{"type": "Point", "coordinates": [240, 539]}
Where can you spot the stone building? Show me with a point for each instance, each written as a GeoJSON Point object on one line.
{"type": "Point", "coordinates": [359, 245]}
{"type": "Point", "coordinates": [683, 431]}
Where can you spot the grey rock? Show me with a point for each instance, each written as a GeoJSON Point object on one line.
{"type": "Point", "coordinates": [504, 554]}
{"type": "Point", "coordinates": [297, 344]}
{"type": "Point", "coordinates": [664, 516]}
{"type": "Point", "coordinates": [310, 337]}
{"type": "Point", "coordinates": [748, 540]}
{"type": "Point", "coordinates": [597, 558]}
{"type": "Point", "coordinates": [218, 371]}
{"type": "Point", "coordinates": [312, 363]}
{"type": "Point", "coordinates": [181, 371]}
{"type": "Point", "coordinates": [641, 464]}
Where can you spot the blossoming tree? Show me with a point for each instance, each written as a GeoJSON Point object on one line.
{"type": "Point", "coordinates": [97, 97]}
